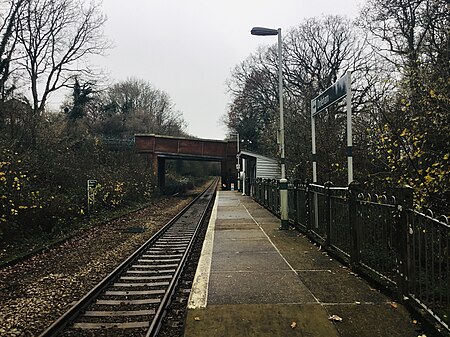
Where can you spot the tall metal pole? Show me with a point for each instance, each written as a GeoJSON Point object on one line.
{"type": "Point", "coordinates": [349, 128]}
{"type": "Point", "coordinates": [313, 142]}
{"type": "Point", "coordinates": [261, 31]}
{"type": "Point", "coordinates": [283, 181]}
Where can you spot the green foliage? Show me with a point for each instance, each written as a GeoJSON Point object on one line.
{"type": "Point", "coordinates": [17, 195]}
{"type": "Point", "coordinates": [43, 176]}
{"type": "Point", "coordinates": [412, 139]}
{"type": "Point", "coordinates": [413, 147]}
{"type": "Point", "coordinates": [82, 95]}
{"type": "Point", "coordinates": [45, 189]}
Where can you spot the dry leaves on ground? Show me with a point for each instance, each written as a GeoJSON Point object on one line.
{"type": "Point", "coordinates": [335, 318]}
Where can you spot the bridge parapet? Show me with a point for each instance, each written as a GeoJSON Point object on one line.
{"type": "Point", "coordinates": [159, 148]}
{"type": "Point", "coordinates": [185, 146]}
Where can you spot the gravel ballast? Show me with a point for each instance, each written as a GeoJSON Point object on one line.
{"type": "Point", "coordinates": [36, 291]}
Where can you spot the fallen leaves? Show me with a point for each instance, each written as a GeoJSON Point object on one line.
{"type": "Point", "coordinates": [196, 318]}
{"type": "Point", "coordinates": [394, 305]}
{"type": "Point", "coordinates": [335, 318]}
{"type": "Point", "coordinates": [293, 325]}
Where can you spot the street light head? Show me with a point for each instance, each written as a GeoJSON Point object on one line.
{"type": "Point", "coordinates": [261, 31]}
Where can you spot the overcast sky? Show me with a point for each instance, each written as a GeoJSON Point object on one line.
{"type": "Point", "coordinates": [189, 47]}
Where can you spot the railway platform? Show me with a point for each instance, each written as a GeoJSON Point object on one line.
{"type": "Point", "coordinates": [256, 280]}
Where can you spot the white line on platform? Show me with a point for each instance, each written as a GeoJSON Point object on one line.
{"type": "Point", "coordinates": [199, 291]}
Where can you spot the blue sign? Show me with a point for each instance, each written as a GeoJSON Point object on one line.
{"type": "Point", "coordinates": [329, 96]}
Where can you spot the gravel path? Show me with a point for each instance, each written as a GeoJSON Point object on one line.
{"type": "Point", "coordinates": [37, 291]}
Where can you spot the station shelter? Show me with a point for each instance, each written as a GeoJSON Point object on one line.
{"type": "Point", "coordinates": [252, 166]}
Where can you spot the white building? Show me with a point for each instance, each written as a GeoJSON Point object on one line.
{"type": "Point", "coordinates": [254, 166]}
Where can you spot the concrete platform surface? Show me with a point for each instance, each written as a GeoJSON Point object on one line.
{"type": "Point", "coordinates": [256, 280]}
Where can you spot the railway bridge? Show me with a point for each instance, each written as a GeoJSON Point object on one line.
{"type": "Point", "coordinates": [161, 148]}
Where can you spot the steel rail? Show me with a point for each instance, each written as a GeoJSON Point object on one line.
{"type": "Point", "coordinates": [159, 316]}
{"type": "Point", "coordinates": [75, 311]}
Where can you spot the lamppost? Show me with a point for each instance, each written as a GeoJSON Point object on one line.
{"type": "Point", "coordinates": [261, 31]}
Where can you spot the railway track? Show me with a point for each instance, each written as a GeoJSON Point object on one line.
{"type": "Point", "coordinates": [132, 300]}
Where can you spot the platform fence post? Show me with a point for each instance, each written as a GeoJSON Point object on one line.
{"type": "Point", "coordinates": [404, 198]}
{"type": "Point", "coordinates": [354, 189]}
{"type": "Point", "coordinates": [308, 214]}
{"type": "Point", "coordinates": [327, 187]}
{"type": "Point", "coordinates": [296, 202]}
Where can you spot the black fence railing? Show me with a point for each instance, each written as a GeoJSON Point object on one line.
{"type": "Point", "coordinates": [380, 236]}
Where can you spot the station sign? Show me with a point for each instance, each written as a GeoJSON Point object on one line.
{"type": "Point", "coordinates": [331, 95]}
{"type": "Point", "coordinates": [340, 89]}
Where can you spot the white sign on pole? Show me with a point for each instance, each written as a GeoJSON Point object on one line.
{"type": "Point", "coordinates": [91, 186]}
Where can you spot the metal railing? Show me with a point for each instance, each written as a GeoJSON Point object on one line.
{"type": "Point", "coordinates": [380, 236]}
{"type": "Point", "coordinates": [429, 264]}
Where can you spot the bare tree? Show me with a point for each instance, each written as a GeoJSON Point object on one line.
{"type": "Point", "coordinates": [56, 37]}
{"type": "Point", "coordinates": [315, 53]}
{"type": "Point", "coordinates": [407, 28]}
{"type": "Point", "coordinates": [135, 106]}
{"type": "Point", "coordinates": [8, 23]}
{"type": "Point", "coordinates": [253, 113]}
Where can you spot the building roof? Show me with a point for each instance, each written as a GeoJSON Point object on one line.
{"type": "Point", "coordinates": [248, 154]}
{"type": "Point", "coordinates": [266, 167]}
